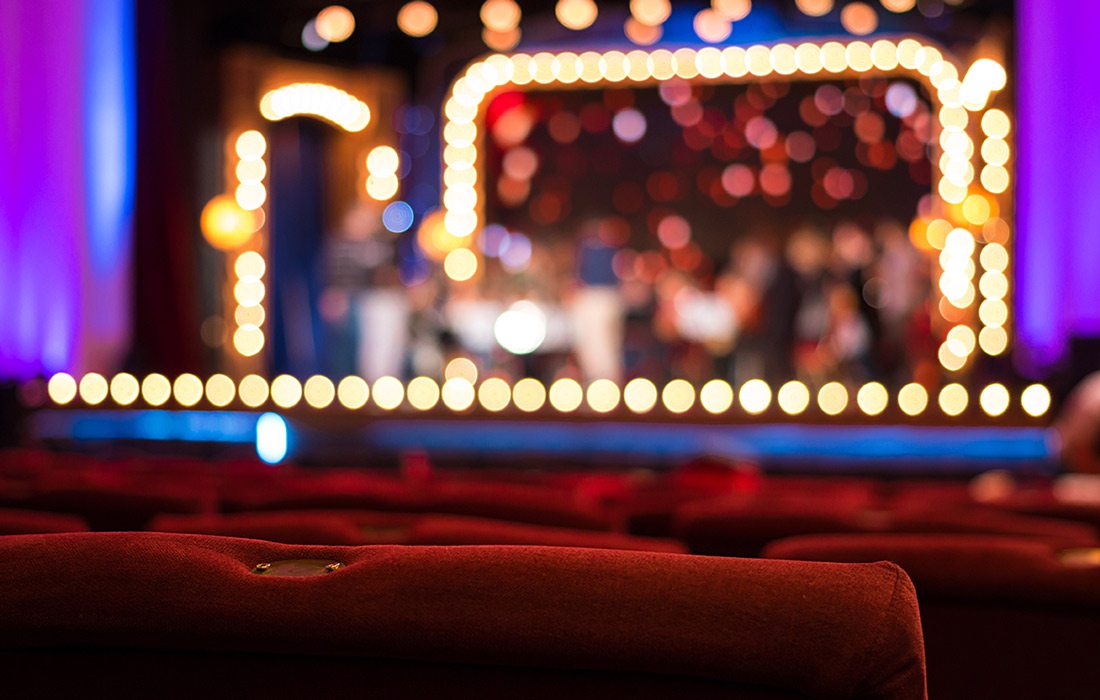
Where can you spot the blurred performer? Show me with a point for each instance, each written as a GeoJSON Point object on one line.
{"type": "Point", "coordinates": [598, 312]}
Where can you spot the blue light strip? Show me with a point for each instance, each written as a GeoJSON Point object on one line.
{"type": "Point", "coordinates": [155, 425]}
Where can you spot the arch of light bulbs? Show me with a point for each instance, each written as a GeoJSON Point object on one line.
{"type": "Point", "coordinates": [966, 216]}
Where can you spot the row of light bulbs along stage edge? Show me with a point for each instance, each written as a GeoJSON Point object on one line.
{"type": "Point", "coordinates": [462, 393]}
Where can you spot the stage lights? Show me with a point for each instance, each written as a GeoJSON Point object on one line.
{"type": "Point", "coordinates": [352, 392]}
{"type": "Point", "coordinates": [913, 399]}
{"type": "Point", "coordinates": [566, 395]}
{"type": "Point", "coordinates": [953, 399]}
{"type": "Point", "coordinates": [316, 100]}
{"type": "Point", "coordinates": [220, 390]}
{"type": "Point", "coordinates": [640, 395]}
{"type": "Point", "coordinates": [253, 390]}
{"type": "Point", "coordinates": [793, 398]}
{"type": "Point", "coordinates": [156, 390]}
{"type": "Point", "coordinates": [1035, 400]}
{"type": "Point", "coordinates": [716, 396]}
{"type": "Point", "coordinates": [494, 394]}
{"type": "Point", "coordinates": [678, 396]}
{"type": "Point", "coordinates": [458, 393]}
{"type": "Point", "coordinates": [318, 391]}
{"type": "Point", "coordinates": [286, 391]}
{"type": "Point", "coordinates": [417, 19]}
{"type": "Point", "coordinates": [576, 14]}
{"type": "Point", "coordinates": [124, 389]}
{"type": "Point", "coordinates": [832, 398]}
{"type": "Point", "coordinates": [529, 395]}
{"type": "Point", "coordinates": [388, 392]}
{"type": "Point", "coordinates": [187, 390]}
{"type": "Point", "coordinates": [422, 393]}
{"type": "Point", "coordinates": [602, 395]}
{"type": "Point", "coordinates": [61, 388]}
{"type": "Point", "coordinates": [872, 398]}
{"type": "Point", "coordinates": [92, 388]}
{"type": "Point", "coordinates": [994, 400]}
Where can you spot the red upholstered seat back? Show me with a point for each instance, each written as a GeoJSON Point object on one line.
{"type": "Point", "coordinates": [821, 630]}
{"type": "Point", "coordinates": [29, 522]}
{"type": "Point", "coordinates": [1003, 617]}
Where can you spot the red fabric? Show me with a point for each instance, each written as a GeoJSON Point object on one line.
{"type": "Point", "coordinates": [1003, 617]}
{"type": "Point", "coordinates": [825, 630]}
{"type": "Point", "coordinates": [28, 522]}
{"type": "Point", "coordinates": [363, 527]}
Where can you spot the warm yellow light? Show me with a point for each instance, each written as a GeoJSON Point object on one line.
{"type": "Point", "coordinates": [316, 100]}
{"type": "Point", "coordinates": [994, 399]}
{"type": "Point", "coordinates": [566, 395]}
{"type": "Point", "coordinates": [494, 394]}
{"type": "Point", "coordinates": [602, 395]}
{"type": "Point", "coordinates": [250, 264]}
{"type": "Point", "coordinates": [422, 393]}
{"type": "Point", "coordinates": [899, 5]}
{"type": "Point", "coordinates": [249, 316]}
{"type": "Point", "coordinates": [995, 178]}
{"type": "Point", "coordinates": [461, 368]}
{"type": "Point", "coordinates": [995, 151]}
{"type": "Point", "coordinates": [460, 264]}
{"type": "Point", "coordinates": [253, 390]}
{"type": "Point", "coordinates": [286, 391]}
{"type": "Point", "coordinates": [716, 396]}
{"type": "Point", "coordinates": [61, 388]}
{"type": "Point", "coordinates": [961, 340]}
{"type": "Point", "coordinates": [977, 209]}
{"type": "Point", "coordinates": [124, 389]}
{"type": "Point", "coordinates": [318, 391]}
{"type": "Point", "coordinates": [1035, 400]}
{"type": "Point", "coordinates": [872, 398]}
{"type": "Point", "coordinates": [758, 60]}
{"type": "Point", "coordinates": [417, 18]}
{"type": "Point", "coordinates": [250, 196]}
{"type": "Point", "coordinates": [576, 14]}
{"type": "Point", "coordinates": [711, 27]}
{"type": "Point", "coordinates": [250, 145]}
{"type": "Point", "coordinates": [382, 160]}
{"type": "Point", "coordinates": [352, 392]}
{"type": "Point", "coordinates": [993, 340]}
{"type": "Point", "coordinates": [334, 24]}
{"type": "Point", "coordinates": [859, 18]}
{"type": "Point", "coordinates": [993, 312]}
{"type": "Point", "coordinates": [458, 393]}
{"type": "Point", "coordinates": [529, 394]}
{"type": "Point", "coordinates": [382, 187]}
{"type": "Point", "coordinates": [678, 395]}
{"type": "Point", "coordinates": [220, 390]}
{"type": "Point", "coordinates": [651, 12]}
{"type": "Point", "coordinates": [755, 396]}
{"type": "Point", "coordinates": [884, 55]}
{"type": "Point", "coordinates": [248, 339]}
{"type": "Point", "coordinates": [187, 390]}
{"type": "Point", "coordinates": [832, 398]}
{"type": "Point", "coordinates": [642, 35]}
{"type": "Point", "coordinates": [640, 395]}
{"type": "Point", "coordinates": [912, 399]}
{"type": "Point", "coordinates": [225, 225]}
{"type": "Point", "coordinates": [951, 356]}
{"type": "Point", "coordinates": [793, 398]}
{"type": "Point", "coordinates": [833, 57]}
{"type": "Point", "coordinates": [993, 284]}
{"type": "Point", "coordinates": [953, 399]}
{"type": "Point", "coordinates": [156, 389]}
{"type": "Point", "coordinates": [815, 8]}
{"type": "Point", "coordinates": [996, 124]}
{"type": "Point", "coordinates": [808, 58]}
{"type": "Point", "coordinates": [733, 10]}
{"type": "Point", "coordinates": [388, 392]}
{"type": "Point", "coordinates": [500, 15]}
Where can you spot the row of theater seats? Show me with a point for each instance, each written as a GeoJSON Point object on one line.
{"type": "Point", "coordinates": [1007, 573]}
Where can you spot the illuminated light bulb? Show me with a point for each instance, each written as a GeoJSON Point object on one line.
{"type": "Point", "coordinates": [422, 393]}
{"type": "Point", "coordinates": [613, 66]}
{"type": "Point", "coordinates": [640, 395]}
{"type": "Point", "coordinates": [460, 264]}
{"type": "Point", "coordinates": [250, 196]}
{"type": "Point", "coordinates": [993, 285]}
{"type": "Point", "coordinates": [460, 224]}
{"type": "Point", "coordinates": [684, 59]}
{"type": "Point", "coordinates": [642, 34]}
{"type": "Point", "coordinates": [912, 399]}
{"type": "Point", "coordinates": [220, 390]}
{"type": "Point", "coordinates": [993, 312]}
{"type": "Point", "coordinates": [521, 328]}
{"type": "Point", "coordinates": [250, 316]}
{"type": "Point", "coordinates": [995, 151]}
{"type": "Point", "coordinates": [417, 19]}
{"type": "Point", "coordinates": [602, 395]}
{"type": "Point", "coordinates": [248, 340]}
{"type": "Point", "coordinates": [461, 368]}
{"type": "Point", "coordinates": [833, 57]}
{"type": "Point", "coordinates": [994, 256]}
{"type": "Point", "coordinates": [953, 399]}
{"type": "Point", "coordinates": [953, 117]}
{"type": "Point", "coordinates": [566, 395]}
{"type": "Point", "coordinates": [884, 55]}
{"type": "Point", "coordinates": [995, 178]}
{"type": "Point", "coordinates": [995, 124]}
{"type": "Point", "coordinates": [650, 12]}
{"type": "Point", "coordinates": [784, 59]}
{"type": "Point", "coordinates": [949, 358]}
{"type": "Point", "coordinates": [225, 225]}
{"type": "Point", "coordinates": [458, 393]}
{"type": "Point", "coordinates": [529, 394]}
{"type": "Point", "coordinates": [500, 15]}
{"type": "Point", "coordinates": [986, 75]}
{"type": "Point", "coordinates": [858, 55]}
{"type": "Point", "coordinates": [808, 58]}
{"type": "Point", "coordinates": [383, 160]}
{"type": "Point", "coordinates": [732, 10]}
{"type": "Point", "coordinates": [662, 64]}
{"type": "Point", "coordinates": [250, 145]}
{"type": "Point", "coordinates": [993, 340]}
{"type": "Point", "coordinates": [318, 391]}
{"type": "Point", "coordinates": [716, 396]}
{"type": "Point", "coordinates": [815, 8]}
{"type": "Point", "coordinates": [187, 390]}
{"type": "Point", "coordinates": [858, 18]}
{"type": "Point", "coordinates": [286, 391]}
{"type": "Point", "coordinates": [1035, 400]}
{"type": "Point", "coordinates": [253, 390]}
{"type": "Point", "coordinates": [962, 340]}
{"type": "Point", "coordinates": [250, 264]}
{"type": "Point", "coordinates": [711, 27]}
{"type": "Point", "coordinates": [976, 209]}
{"type": "Point", "coordinates": [93, 388]}
{"type": "Point", "coordinates": [494, 394]}
{"type": "Point", "coordinates": [156, 389]}
{"type": "Point", "coordinates": [678, 395]}
{"type": "Point", "coordinates": [994, 399]}
{"type": "Point", "coordinates": [832, 398]}
{"type": "Point", "coordinates": [758, 60]}
{"type": "Point", "coordinates": [793, 398]}
{"type": "Point", "coordinates": [124, 389]}
{"type": "Point", "coordinates": [249, 291]}
{"type": "Point", "coordinates": [733, 61]}
{"type": "Point", "coordinates": [335, 24]}
{"type": "Point", "coordinates": [352, 392]}
{"type": "Point", "coordinates": [388, 392]}
{"type": "Point", "coordinates": [755, 396]}
{"type": "Point", "coordinates": [61, 388]}
{"type": "Point", "coordinates": [251, 170]}
{"type": "Point", "coordinates": [382, 188]}
{"type": "Point", "coordinates": [316, 99]}
{"type": "Point", "coordinates": [872, 398]}
{"type": "Point", "coordinates": [899, 5]}
{"type": "Point", "coordinates": [576, 14]}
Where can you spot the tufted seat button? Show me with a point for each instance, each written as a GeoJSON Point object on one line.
{"type": "Point", "coordinates": [296, 567]}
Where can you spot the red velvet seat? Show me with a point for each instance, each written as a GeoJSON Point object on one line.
{"type": "Point", "coordinates": [1003, 617]}
{"type": "Point", "coordinates": [115, 606]}
{"type": "Point", "coordinates": [29, 522]}
{"type": "Point", "coordinates": [363, 527]}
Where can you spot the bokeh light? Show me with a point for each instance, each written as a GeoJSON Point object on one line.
{"type": "Point", "coordinates": [678, 396]}
{"type": "Point", "coordinates": [1035, 400]}
{"type": "Point", "coordinates": [353, 392]}
{"type": "Point", "coordinates": [417, 19]}
{"type": "Point", "coordinates": [61, 388]}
